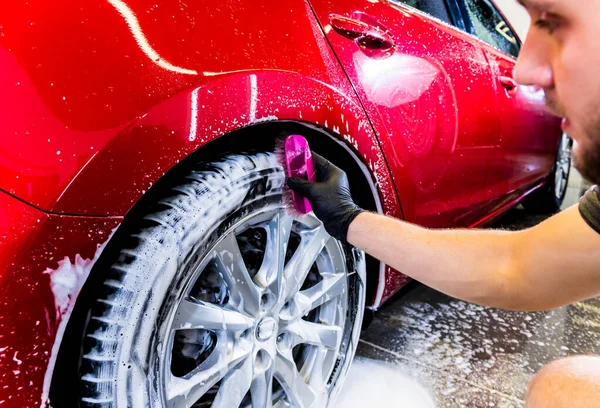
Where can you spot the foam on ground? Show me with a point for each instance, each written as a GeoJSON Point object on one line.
{"type": "Point", "coordinates": [372, 383]}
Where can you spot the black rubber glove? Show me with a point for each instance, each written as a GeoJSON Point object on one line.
{"type": "Point", "coordinates": [329, 197]}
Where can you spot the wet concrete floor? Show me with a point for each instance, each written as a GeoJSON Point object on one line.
{"type": "Point", "coordinates": [463, 355]}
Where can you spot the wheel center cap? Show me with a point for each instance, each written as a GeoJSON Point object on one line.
{"type": "Point", "coordinates": [266, 328]}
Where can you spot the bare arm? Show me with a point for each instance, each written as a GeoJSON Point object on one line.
{"type": "Point", "coordinates": [555, 263]}
{"type": "Point", "coordinates": [552, 264]}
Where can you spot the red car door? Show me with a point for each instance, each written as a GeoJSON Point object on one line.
{"type": "Point", "coordinates": [529, 135]}
{"type": "Point", "coordinates": [428, 91]}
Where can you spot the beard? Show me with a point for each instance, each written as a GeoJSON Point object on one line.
{"type": "Point", "coordinates": [586, 131]}
{"type": "Point", "coordinates": [586, 159]}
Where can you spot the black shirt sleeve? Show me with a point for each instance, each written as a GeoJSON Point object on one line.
{"type": "Point", "coordinates": [589, 208]}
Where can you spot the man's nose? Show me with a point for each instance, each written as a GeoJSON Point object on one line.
{"type": "Point", "coordinates": [533, 66]}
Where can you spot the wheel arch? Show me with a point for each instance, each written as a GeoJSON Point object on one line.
{"type": "Point", "coordinates": [232, 113]}
{"type": "Point", "coordinates": [365, 189]}
{"type": "Point", "coordinates": [233, 105]}
{"type": "Point", "coordinates": [363, 182]}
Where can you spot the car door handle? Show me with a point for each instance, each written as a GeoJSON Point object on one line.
{"type": "Point", "coordinates": [366, 32]}
{"type": "Point", "coordinates": [508, 83]}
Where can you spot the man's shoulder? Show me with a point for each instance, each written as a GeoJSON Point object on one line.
{"type": "Point", "coordinates": [589, 208]}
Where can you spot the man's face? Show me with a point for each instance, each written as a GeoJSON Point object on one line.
{"type": "Point", "coordinates": [562, 55]}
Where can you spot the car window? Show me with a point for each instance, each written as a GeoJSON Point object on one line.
{"type": "Point", "coordinates": [490, 26]}
{"type": "Point", "coordinates": [435, 8]}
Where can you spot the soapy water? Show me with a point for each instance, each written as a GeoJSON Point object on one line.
{"type": "Point", "coordinates": [373, 383]}
{"type": "Point", "coordinates": [66, 282]}
{"type": "Point", "coordinates": [378, 384]}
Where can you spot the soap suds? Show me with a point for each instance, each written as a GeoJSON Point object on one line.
{"type": "Point", "coordinates": [375, 384]}
{"type": "Point", "coordinates": [497, 352]}
{"type": "Point", "coordinates": [65, 282]}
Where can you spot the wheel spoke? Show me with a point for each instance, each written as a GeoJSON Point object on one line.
{"type": "Point", "coordinates": [285, 230]}
{"type": "Point", "coordinates": [278, 234]}
{"type": "Point", "coordinates": [261, 389]}
{"type": "Point", "coordinates": [299, 393]}
{"type": "Point", "coordinates": [185, 391]}
{"type": "Point", "coordinates": [242, 288]}
{"type": "Point", "coordinates": [558, 182]}
{"type": "Point", "coordinates": [310, 247]}
{"type": "Point", "coordinates": [332, 286]}
{"type": "Point", "coordinates": [563, 164]}
{"type": "Point", "coordinates": [565, 143]}
{"type": "Point", "coordinates": [201, 315]}
{"type": "Point", "coordinates": [234, 386]}
{"type": "Point", "coordinates": [303, 332]}
{"type": "Point", "coordinates": [313, 368]}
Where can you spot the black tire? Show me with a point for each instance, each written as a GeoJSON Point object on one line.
{"type": "Point", "coordinates": [121, 359]}
{"type": "Point", "coordinates": [549, 198]}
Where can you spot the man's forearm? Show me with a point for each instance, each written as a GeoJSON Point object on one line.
{"type": "Point", "coordinates": [473, 265]}
{"type": "Point", "coordinates": [552, 264]}
{"type": "Point", "coordinates": [549, 265]}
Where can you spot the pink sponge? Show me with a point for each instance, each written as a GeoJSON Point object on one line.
{"type": "Point", "coordinates": [299, 163]}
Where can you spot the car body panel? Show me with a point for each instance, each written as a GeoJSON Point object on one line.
{"type": "Point", "coordinates": [420, 99]}
{"type": "Point", "coordinates": [522, 159]}
{"type": "Point", "coordinates": [34, 244]}
{"type": "Point", "coordinates": [75, 89]}
{"type": "Point", "coordinates": [528, 135]}
{"type": "Point", "coordinates": [174, 129]}
{"type": "Point", "coordinates": [460, 160]}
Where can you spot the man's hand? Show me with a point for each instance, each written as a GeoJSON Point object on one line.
{"type": "Point", "coordinates": [329, 197]}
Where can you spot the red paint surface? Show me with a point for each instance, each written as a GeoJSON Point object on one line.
{"type": "Point", "coordinates": [458, 146]}
{"type": "Point", "coordinates": [101, 98]}
{"type": "Point", "coordinates": [30, 243]}
{"type": "Point", "coordinates": [528, 138]}
{"type": "Point", "coordinates": [452, 137]}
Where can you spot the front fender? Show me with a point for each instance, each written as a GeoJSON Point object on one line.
{"type": "Point", "coordinates": [138, 156]}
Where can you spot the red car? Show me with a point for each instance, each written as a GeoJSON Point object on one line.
{"type": "Point", "coordinates": [146, 256]}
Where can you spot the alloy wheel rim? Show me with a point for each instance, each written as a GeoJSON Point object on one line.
{"type": "Point", "coordinates": [563, 164]}
{"type": "Point", "coordinates": [269, 334]}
